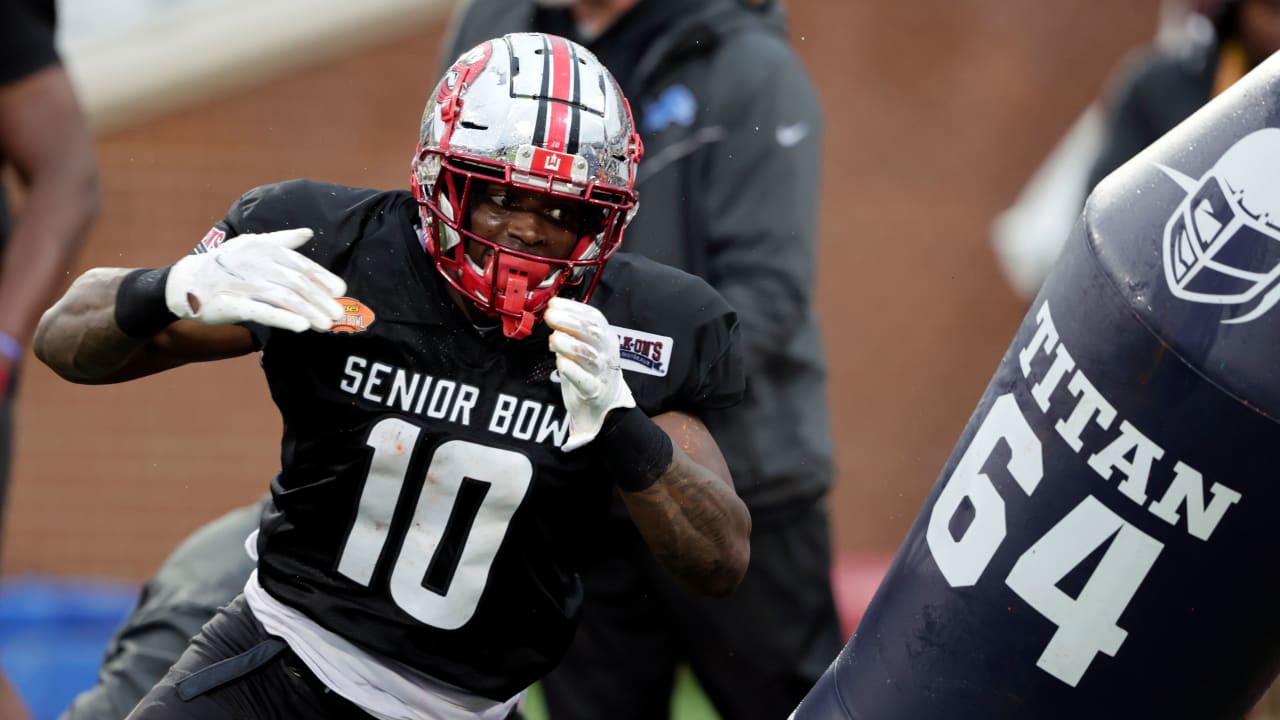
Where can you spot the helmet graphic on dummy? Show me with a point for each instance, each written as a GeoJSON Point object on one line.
{"type": "Point", "coordinates": [1227, 225]}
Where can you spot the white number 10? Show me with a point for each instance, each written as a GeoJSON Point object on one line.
{"type": "Point", "coordinates": [1087, 624]}
{"type": "Point", "coordinates": [469, 496]}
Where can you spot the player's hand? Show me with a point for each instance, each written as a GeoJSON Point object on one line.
{"type": "Point", "coordinates": [256, 278]}
{"type": "Point", "coordinates": [591, 380]}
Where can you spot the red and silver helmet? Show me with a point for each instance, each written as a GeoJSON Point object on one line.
{"type": "Point", "coordinates": [534, 112]}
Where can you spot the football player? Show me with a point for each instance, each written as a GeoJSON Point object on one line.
{"type": "Point", "coordinates": [449, 367]}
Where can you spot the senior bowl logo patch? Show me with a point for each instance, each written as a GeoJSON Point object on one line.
{"type": "Point", "coordinates": [356, 317]}
{"type": "Point", "coordinates": [643, 352]}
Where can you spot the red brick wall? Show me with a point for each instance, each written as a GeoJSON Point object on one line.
{"type": "Point", "coordinates": [936, 110]}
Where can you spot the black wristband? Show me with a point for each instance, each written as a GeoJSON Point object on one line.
{"type": "Point", "coordinates": [141, 310]}
{"type": "Point", "coordinates": [633, 449]}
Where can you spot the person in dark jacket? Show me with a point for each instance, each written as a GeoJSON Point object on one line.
{"type": "Point", "coordinates": [203, 574]}
{"type": "Point", "coordinates": [731, 125]}
{"type": "Point", "coordinates": [729, 186]}
{"type": "Point", "coordinates": [1160, 88]}
{"type": "Point", "coordinates": [1202, 48]}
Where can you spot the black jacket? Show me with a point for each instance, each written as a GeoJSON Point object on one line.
{"type": "Point", "coordinates": [728, 191]}
{"type": "Point", "coordinates": [1154, 92]}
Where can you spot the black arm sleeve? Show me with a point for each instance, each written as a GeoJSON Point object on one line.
{"type": "Point", "coordinates": [1154, 92]}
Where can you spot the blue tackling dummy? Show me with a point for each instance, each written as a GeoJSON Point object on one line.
{"type": "Point", "coordinates": [1101, 543]}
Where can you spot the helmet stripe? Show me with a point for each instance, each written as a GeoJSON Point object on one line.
{"type": "Point", "coordinates": [561, 82]}
{"type": "Point", "coordinates": [540, 124]}
{"type": "Point", "coordinates": [575, 119]}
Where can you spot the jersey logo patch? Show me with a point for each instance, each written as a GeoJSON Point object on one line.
{"type": "Point", "coordinates": [210, 241]}
{"type": "Point", "coordinates": [676, 105]}
{"type": "Point", "coordinates": [357, 317]}
{"type": "Point", "coordinates": [643, 352]}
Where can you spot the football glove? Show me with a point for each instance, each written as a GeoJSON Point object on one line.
{"type": "Point", "coordinates": [257, 278]}
{"type": "Point", "coordinates": [591, 379]}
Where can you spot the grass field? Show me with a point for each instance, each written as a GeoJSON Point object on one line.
{"type": "Point", "coordinates": [687, 703]}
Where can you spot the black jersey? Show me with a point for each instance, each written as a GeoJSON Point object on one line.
{"type": "Point", "coordinates": [424, 509]}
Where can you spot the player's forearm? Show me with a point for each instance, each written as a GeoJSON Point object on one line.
{"type": "Point", "coordinates": [46, 238]}
{"type": "Point", "coordinates": [78, 337]}
{"type": "Point", "coordinates": [668, 467]}
{"type": "Point", "coordinates": [45, 137]}
{"type": "Point", "coordinates": [695, 525]}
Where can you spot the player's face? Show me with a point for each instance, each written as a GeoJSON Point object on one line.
{"type": "Point", "coordinates": [525, 221]}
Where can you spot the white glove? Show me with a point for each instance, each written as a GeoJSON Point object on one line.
{"type": "Point", "coordinates": [256, 278]}
{"type": "Point", "coordinates": [591, 380]}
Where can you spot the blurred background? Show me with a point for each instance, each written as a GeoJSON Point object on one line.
{"type": "Point", "coordinates": [936, 111]}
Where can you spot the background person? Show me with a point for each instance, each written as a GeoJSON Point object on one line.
{"type": "Point", "coordinates": [44, 139]}
{"type": "Point", "coordinates": [204, 573]}
{"type": "Point", "coordinates": [1159, 89]}
{"type": "Point", "coordinates": [1201, 49]}
{"type": "Point", "coordinates": [732, 131]}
